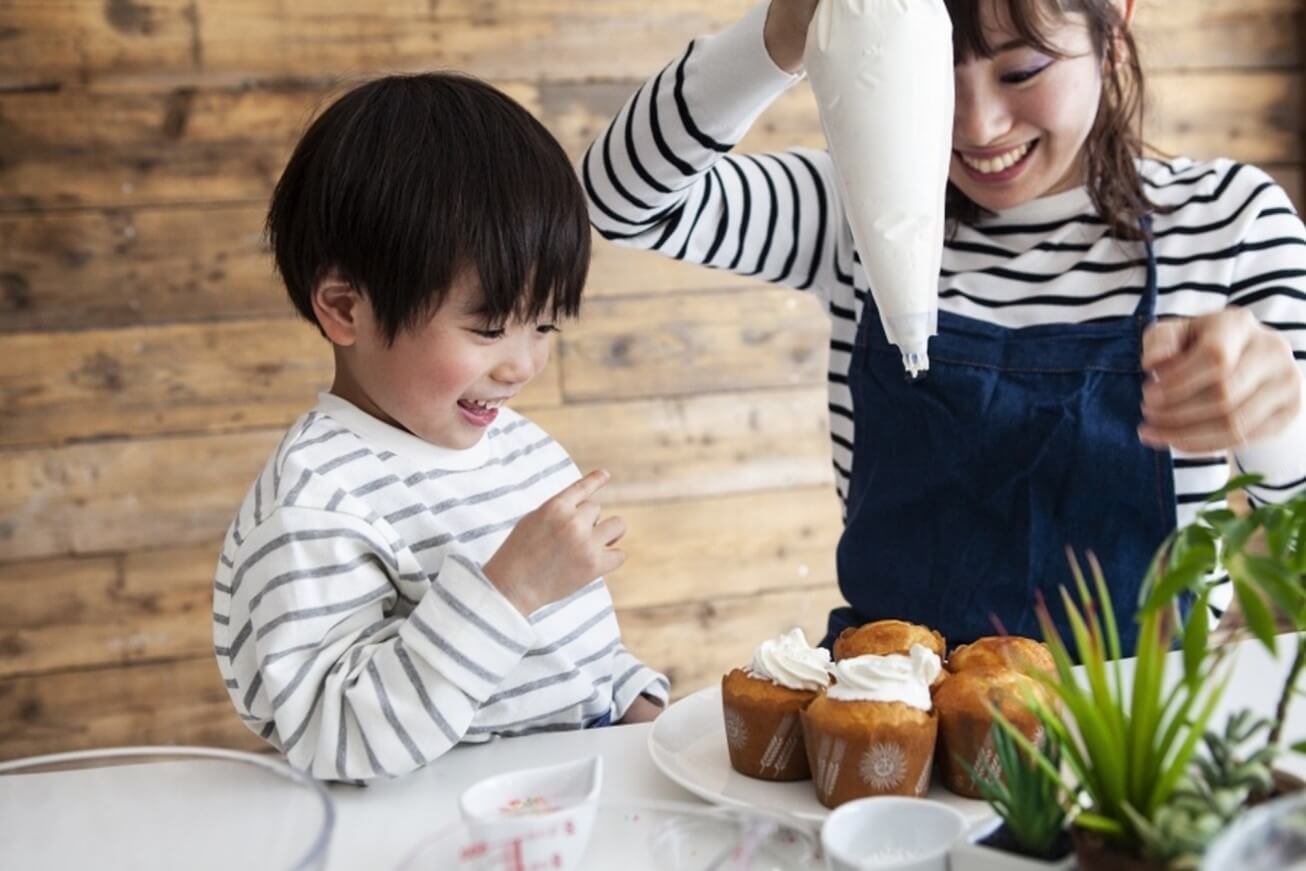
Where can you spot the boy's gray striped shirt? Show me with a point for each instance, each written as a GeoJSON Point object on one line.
{"type": "Point", "coordinates": [353, 626]}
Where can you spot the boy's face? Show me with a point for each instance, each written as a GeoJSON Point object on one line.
{"type": "Point", "coordinates": [444, 382]}
{"type": "Point", "coordinates": [1022, 117]}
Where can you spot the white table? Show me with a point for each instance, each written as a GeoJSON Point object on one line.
{"type": "Point", "coordinates": [378, 826]}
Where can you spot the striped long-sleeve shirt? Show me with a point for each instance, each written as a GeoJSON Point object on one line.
{"type": "Point", "coordinates": [662, 177]}
{"type": "Point", "coordinates": [352, 622]}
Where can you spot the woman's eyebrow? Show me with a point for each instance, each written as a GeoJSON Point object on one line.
{"type": "Point", "coordinates": [1010, 44]}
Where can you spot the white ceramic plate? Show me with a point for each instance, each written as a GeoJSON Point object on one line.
{"type": "Point", "coordinates": [688, 745]}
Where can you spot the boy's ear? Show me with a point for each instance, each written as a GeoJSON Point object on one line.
{"type": "Point", "coordinates": [339, 308]}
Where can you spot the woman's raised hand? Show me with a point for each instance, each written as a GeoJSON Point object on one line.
{"type": "Point", "coordinates": [1219, 381]}
{"type": "Point", "coordinates": [785, 33]}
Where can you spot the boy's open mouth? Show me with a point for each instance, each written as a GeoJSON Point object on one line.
{"type": "Point", "coordinates": [481, 412]}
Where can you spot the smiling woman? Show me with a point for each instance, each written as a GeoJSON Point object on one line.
{"type": "Point", "coordinates": [1066, 245]}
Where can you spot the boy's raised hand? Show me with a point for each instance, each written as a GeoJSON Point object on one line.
{"type": "Point", "coordinates": [558, 548]}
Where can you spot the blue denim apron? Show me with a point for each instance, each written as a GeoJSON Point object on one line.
{"type": "Point", "coordinates": [968, 486]}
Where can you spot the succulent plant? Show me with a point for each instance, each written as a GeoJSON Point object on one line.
{"type": "Point", "coordinates": [1212, 793]}
{"type": "Point", "coordinates": [1020, 791]}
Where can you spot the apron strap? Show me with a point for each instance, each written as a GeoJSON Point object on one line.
{"type": "Point", "coordinates": [1146, 309]}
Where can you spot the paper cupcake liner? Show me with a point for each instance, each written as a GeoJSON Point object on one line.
{"type": "Point", "coordinates": [856, 763]}
{"type": "Point", "coordinates": [968, 737]}
{"type": "Point", "coordinates": [765, 743]}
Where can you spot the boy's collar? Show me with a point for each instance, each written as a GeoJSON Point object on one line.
{"type": "Point", "coordinates": [385, 437]}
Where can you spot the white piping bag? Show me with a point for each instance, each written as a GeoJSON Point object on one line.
{"type": "Point", "coordinates": [882, 73]}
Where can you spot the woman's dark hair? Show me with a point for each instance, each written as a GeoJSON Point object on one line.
{"type": "Point", "coordinates": [1115, 143]}
{"type": "Point", "coordinates": [406, 182]}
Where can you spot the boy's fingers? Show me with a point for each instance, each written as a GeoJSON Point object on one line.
{"type": "Point", "coordinates": [583, 489]}
{"type": "Point", "coordinates": [610, 560]}
{"type": "Point", "coordinates": [587, 514]}
{"type": "Point", "coordinates": [610, 530]}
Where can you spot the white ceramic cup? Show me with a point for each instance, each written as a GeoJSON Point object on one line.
{"type": "Point", "coordinates": [547, 813]}
{"type": "Point", "coordinates": [890, 832]}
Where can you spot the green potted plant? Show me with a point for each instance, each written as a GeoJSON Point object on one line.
{"type": "Point", "coordinates": [1264, 554]}
{"type": "Point", "coordinates": [1146, 800]}
{"type": "Point", "coordinates": [1126, 745]}
{"type": "Point", "coordinates": [1029, 832]}
{"type": "Point", "coordinates": [1215, 792]}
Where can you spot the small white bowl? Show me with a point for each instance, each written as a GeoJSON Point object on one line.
{"type": "Point", "coordinates": [548, 812]}
{"type": "Point", "coordinates": [890, 832]}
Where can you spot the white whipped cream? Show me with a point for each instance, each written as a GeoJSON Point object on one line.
{"type": "Point", "coordinates": [788, 660]}
{"type": "Point", "coordinates": [882, 74]}
{"type": "Point", "coordinates": [891, 678]}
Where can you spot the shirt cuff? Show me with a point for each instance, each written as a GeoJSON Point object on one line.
{"type": "Point", "coordinates": [1280, 460]}
{"type": "Point", "coordinates": [731, 78]}
{"type": "Point", "coordinates": [465, 628]}
{"type": "Point", "coordinates": [639, 680]}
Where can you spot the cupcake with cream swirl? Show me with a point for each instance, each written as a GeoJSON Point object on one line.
{"type": "Point", "coordinates": [873, 731]}
{"type": "Point", "coordinates": [762, 703]}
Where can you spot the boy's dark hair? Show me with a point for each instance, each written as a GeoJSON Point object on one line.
{"type": "Point", "coordinates": [1115, 143]}
{"type": "Point", "coordinates": [406, 181]}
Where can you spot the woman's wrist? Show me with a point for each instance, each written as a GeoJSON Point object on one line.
{"type": "Point", "coordinates": [785, 34]}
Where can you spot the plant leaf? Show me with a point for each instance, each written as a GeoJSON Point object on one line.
{"type": "Point", "coordinates": [1192, 567]}
{"type": "Point", "coordinates": [1196, 636]}
{"type": "Point", "coordinates": [1177, 764]}
{"type": "Point", "coordinates": [1282, 584]}
{"type": "Point", "coordinates": [1256, 612]}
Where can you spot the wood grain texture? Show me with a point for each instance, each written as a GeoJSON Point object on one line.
{"type": "Point", "coordinates": [695, 643]}
{"type": "Point", "coordinates": [227, 143]}
{"type": "Point", "coordinates": [655, 346]}
{"type": "Point", "coordinates": [108, 611]}
{"type": "Point", "coordinates": [62, 41]}
{"type": "Point", "coordinates": [178, 702]}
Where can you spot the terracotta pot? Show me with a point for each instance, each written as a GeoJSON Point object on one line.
{"type": "Point", "coordinates": [1094, 853]}
{"type": "Point", "coordinates": [1285, 782]}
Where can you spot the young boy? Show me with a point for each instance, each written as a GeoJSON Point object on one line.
{"type": "Point", "coordinates": [417, 565]}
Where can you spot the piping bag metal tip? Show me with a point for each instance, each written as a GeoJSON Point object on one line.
{"type": "Point", "coordinates": [916, 365]}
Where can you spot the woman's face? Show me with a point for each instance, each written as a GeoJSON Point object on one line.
{"type": "Point", "coordinates": [1023, 116]}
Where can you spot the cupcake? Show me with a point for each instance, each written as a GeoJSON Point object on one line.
{"type": "Point", "coordinates": [883, 637]}
{"type": "Point", "coordinates": [1003, 651]}
{"type": "Point", "coordinates": [873, 731]}
{"type": "Point", "coordinates": [762, 703]}
{"type": "Point", "coordinates": [997, 673]}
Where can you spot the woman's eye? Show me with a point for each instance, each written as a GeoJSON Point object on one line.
{"type": "Point", "coordinates": [545, 329]}
{"type": "Point", "coordinates": [1019, 76]}
{"type": "Point", "coordinates": [489, 334]}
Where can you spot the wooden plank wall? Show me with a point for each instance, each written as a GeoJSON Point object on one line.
{"type": "Point", "coordinates": [148, 363]}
